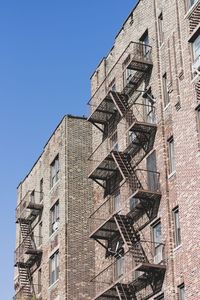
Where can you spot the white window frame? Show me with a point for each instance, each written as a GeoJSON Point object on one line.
{"type": "Point", "coordinates": [55, 168]}
{"type": "Point", "coordinates": [54, 217]}
{"type": "Point", "coordinates": [54, 268]}
{"type": "Point", "coordinates": [171, 152]}
{"type": "Point", "coordinates": [177, 228]}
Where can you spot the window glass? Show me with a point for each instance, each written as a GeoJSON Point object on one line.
{"type": "Point", "coordinates": [54, 268]}
{"type": "Point", "coordinates": [165, 90]}
{"type": "Point", "coordinates": [172, 163]}
{"type": "Point", "coordinates": [177, 229]}
{"type": "Point", "coordinates": [181, 291]}
{"type": "Point", "coordinates": [196, 48]}
{"type": "Point", "coordinates": [54, 171]}
{"type": "Point", "coordinates": [54, 218]}
{"type": "Point", "coordinates": [157, 239]}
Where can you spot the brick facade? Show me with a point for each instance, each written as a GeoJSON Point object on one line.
{"type": "Point", "coordinates": [71, 143]}
{"type": "Point", "coordinates": [172, 28]}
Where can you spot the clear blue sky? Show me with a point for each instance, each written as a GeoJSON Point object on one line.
{"type": "Point", "coordinates": [48, 50]}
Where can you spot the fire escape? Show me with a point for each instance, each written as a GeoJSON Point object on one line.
{"type": "Point", "coordinates": [119, 229]}
{"type": "Point", "coordinates": [28, 254]}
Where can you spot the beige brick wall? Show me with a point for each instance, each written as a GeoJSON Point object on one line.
{"type": "Point", "coordinates": [72, 142]}
{"type": "Point", "coordinates": [174, 57]}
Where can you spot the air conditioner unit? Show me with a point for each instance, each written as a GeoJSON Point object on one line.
{"type": "Point", "coordinates": [196, 66]}
{"type": "Point", "coordinates": [55, 226]}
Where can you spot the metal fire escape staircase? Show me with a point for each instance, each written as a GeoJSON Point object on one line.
{"type": "Point", "coordinates": [27, 255]}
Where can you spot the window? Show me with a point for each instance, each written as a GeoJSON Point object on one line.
{"type": "Point", "coordinates": [40, 234]}
{"type": "Point", "coordinates": [32, 197]}
{"type": "Point", "coordinates": [54, 268]}
{"type": "Point", "coordinates": [160, 28]}
{"type": "Point", "coordinates": [161, 297]}
{"type": "Point", "coordinates": [41, 189]}
{"type": "Point", "coordinates": [181, 292]}
{"type": "Point", "coordinates": [165, 90]}
{"type": "Point", "coordinates": [158, 247]}
{"type": "Point", "coordinates": [172, 163]}
{"type": "Point", "coordinates": [145, 40]}
{"type": "Point", "coordinates": [177, 229]}
{"type": "Point", "coordinates": [54, 171]}
{"type": "Point", "coordinates": [127, 75]}
{"type": "Point", "coordinates": [152, 179]}
{"type": "Point", "coordinates": [39, 280]}
{"type": "Point", "coordinates": [191, 2]}
{"type": "Point", "coordinates": [54, 217]}
{"type": "Point", "coordinates": [119, 267]}
{"type": "Point", "coordinates": [117, 202]}
{"type": "Point", "coordinates": [196, 53]}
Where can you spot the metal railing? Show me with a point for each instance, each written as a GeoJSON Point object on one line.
{"type": "Point", "coordinates": [144, 180]}
{"type": "Point", "coordinates": [138, 52]}
{"type": "Point", "coordinates": [23, 292]}
{"type": "Point", "coordinates": [31, 198]}
{"type": "Point", "coordinates": [142, 113]}
{"type": "Point", "coordinates": [26, 247]}
{"type": "Point", "coordinates": [123, 270]}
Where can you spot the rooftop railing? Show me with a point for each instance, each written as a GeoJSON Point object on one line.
{"type": "Point", "coordinates": [135, 52]}
{"type": "Point", "coordinates": [31, 201]}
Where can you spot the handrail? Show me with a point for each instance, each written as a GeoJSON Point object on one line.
{"type": "Point", "coordinates": [106, 209]}
{"type": "Point", "coordinates": [137, 43]}
{"type": "Point", "coordinates": [126, 254]}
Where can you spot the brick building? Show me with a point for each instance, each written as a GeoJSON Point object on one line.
{"type": "Point", "coordinates": [145, 108]}
{"type": "Point", "coordinates": [54, 257]}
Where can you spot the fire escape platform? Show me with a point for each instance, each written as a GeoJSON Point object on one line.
{"type": "Point", "coordinates": [149, 267]}
{"type": "Point", "coordinates": [112, 103]}
{"type": "Point", "coordinates": [106, 230]}
{"type": "Point", "coordinates": [105, 169]}
{"type": "Point", "coordinates": [146, 194]}
{"type": "Point", "coordinates": [104, 111]}
{"type": "Point", "coordinates": [35, 206]}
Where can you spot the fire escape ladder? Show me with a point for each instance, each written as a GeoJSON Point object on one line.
{"type": "Point", "coordinates": [25, 227]}
{"type": "Point", "coordinates": [123, 164]}
{"type": "Point", "coordinates": [25, 279]}
{"type": "Point", "coordinates": [129, 235]}
{"type": "Point", "coordinates": [120, 101]}
{"type": "Point", "coordinates": [124, 292]}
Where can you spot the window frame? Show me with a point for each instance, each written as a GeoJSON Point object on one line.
{"type": "Point", "coordinates": [160, 28]}
{"type": "Point", "coordinates": [54, 171]}
{"type": "Point", "coordinates": [54, 268]}
{"type": "Point", "coordinates": [171, 155]}
{"type": "Point", "coordinates": [157, 245]}
{"type": "Point", "coordinates": [54, 217]}
{"type": "Point", "coordinates": [41, 189]}
{"type": "Point", "coordinates": [177, 228]}
{"type": "Point", "coordinates": [166, 97]}
{"type": "Point", "coordinates": [181, 288]}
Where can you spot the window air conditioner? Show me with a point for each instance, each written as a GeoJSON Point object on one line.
{"type": "Point", "coordinates": [55, 226]}
{"type": "Point", "coordinates": [196, 66]}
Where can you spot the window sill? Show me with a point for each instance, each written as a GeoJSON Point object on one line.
{"type": "Point", "coordinates": [53, 234]}
{"type": "Point", "coordinates": [171, 174]}
{"type": "Point", "coordinates": [53, 187]}
{"type": "Point", "coordinates": [177, 248]}
{"type": "Point", "coordinates": [167, 106]}
{"type": "Point", "coordinates": [53, 284]}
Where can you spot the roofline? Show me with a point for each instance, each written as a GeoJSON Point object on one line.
{"type": "Point", "coordinates": [65, 116]}
{"type": "Point", "coordinates": [104, 57]}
